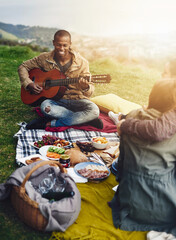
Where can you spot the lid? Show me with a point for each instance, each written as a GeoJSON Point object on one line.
{"type": "Point", "coordinates": [64, 157]}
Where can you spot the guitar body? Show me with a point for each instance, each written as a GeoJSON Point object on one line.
{"type": "Point", "coordinates": [41, 78]}
{"type": "Point", "coordinates": [53, 83]}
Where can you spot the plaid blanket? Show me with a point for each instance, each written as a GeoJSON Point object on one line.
{"type": "Point", "coordinates": [27, 137]}
{"type": "Point", "coordinates": [95, 219]}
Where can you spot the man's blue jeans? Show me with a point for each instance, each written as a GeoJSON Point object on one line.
{"type": "Point", "coordinates": [70, 112]}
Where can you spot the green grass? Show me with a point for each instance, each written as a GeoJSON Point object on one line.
{"type": "Point", "coordinates": [128, 81]}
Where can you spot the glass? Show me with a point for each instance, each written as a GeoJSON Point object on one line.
{"type": "Point", "coordinates": [52, 183]}
{"type": "Point", "coordinates": [59, 185]}
{"type": "Point", "coordinates": [46, 185]}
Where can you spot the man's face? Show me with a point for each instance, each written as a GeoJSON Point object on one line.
{"type": "Point", "coordinates": [61, 46]}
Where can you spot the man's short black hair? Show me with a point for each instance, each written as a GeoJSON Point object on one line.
{"type": "Point", "coordinates": [62, 33]}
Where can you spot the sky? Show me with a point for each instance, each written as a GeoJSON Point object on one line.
{"type": "Point", "coordinates": [93, 17]}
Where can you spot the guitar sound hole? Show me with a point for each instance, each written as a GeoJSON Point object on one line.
{"type": "Point", "coordinates": [47, 84]}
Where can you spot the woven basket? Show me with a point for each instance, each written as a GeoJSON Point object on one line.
{"type": "Point", "coordinates": [27, 209]}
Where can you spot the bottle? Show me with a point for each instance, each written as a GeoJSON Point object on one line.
{"type": "Point", "coordinates": [65, 160]}
{"type": "Point", "coordinates": [58, 195]}
{"type": "Point", "coordinates": [47, 183]}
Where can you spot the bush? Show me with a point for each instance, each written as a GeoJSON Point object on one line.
{"type": "Point", "coordinates": [36, 48]}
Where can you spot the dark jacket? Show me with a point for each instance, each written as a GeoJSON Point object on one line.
{"type": "Point", "coordinates": [146, 197]}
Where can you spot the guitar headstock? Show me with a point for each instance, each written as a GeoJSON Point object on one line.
{"type": "Point", "coordinates": [102, 78]}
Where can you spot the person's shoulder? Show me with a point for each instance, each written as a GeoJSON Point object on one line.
{"type": "Point", "coordinates": [78, 56]}
{"type": "Point", "coordinates": [45, 55]}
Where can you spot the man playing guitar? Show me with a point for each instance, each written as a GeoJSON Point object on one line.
{"type": "Point", "coordinates": [71, 105]}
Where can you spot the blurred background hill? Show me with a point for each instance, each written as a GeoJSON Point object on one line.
{"type": "Point", "coordinates": [148, 50]}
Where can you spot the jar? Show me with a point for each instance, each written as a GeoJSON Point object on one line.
{"type": "Point", "coordinates": [65, 160]}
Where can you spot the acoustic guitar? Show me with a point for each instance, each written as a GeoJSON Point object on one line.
{"type": "Point", "coordinates": [54, 85]}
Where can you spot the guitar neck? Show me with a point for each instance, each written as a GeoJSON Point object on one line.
{"type": "Point", "coordinates": [64, 82]}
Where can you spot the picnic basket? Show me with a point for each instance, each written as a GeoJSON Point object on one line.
{"type": "Point", "coordinates": [27, 209]}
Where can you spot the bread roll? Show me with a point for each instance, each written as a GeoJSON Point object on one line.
{"type": "Point", "coordinates": [76, 156]}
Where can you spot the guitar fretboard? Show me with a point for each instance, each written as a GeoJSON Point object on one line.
{"type": "Point", "coordinates": [67, 81]}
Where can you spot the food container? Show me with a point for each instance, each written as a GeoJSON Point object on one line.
{"type": "Point", "coordinates": [65, 160]}
{"type": "Point", "coordinates": [99, 142]}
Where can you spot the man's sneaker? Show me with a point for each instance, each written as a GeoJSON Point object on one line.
{"type": "Point", "coordinates": [114, 116]}
{"type": "Point", "coordinates": [97, 123]}
{"type": "Point", "coordinates": [39, 123]}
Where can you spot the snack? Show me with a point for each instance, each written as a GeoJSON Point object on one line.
{"type": "Point", "coordinates": [55, 152]}
{"type": "Point", "coordinates": [76, 156]}
{"type": "Point", "coordinates": [100, 140]}
{"type": "Point", "coordinates": [61, 143]}
{"type": "Point", "coordinates": [85, 146]}
{"type": "Point", "coordinates": [34, 159]}
{"type": "Point", "coordinates": [53, 155]}
{"type": "Point", "coordinates": [107, 159]}
{"type": "Point", "coordinates": [46, 140]}
{"type": "Point", "coordinates": [51, 140]}
{"type": "Point", "coordinates": [94, 171]}
{"type": "Point", "coordinates": [113, 151]}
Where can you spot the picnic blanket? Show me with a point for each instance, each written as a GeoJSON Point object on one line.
{"type": "Point", "coordinates": [95, 219]}
{"type": "Point", "coordinates": [27, 137]}
{"type": "Point", "coordinates": [108, 125]}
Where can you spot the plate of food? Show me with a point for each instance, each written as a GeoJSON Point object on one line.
{"type": "Point", "coordinates": [51, 140]}
{"type": "Point", "coordinates": [51, 152]}
{"type": "Point", "coordinates": [31, 158]}
{"type": "Point", "coordinates": [92, 171]}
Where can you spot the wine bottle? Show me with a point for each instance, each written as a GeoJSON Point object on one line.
{"type": "Point", "coordinates": [58, 195]}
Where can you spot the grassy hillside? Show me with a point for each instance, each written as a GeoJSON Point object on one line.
{"type": "Point", "coordinates": [38, 35]}
{"type": "Point", "coordinates": [12, 111]}
{"type": "Point", "coordinates": [129, 82]}
{"type": "Point", "coordinates": [8, 36]}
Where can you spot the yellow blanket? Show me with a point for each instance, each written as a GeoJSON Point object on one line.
{"type": "Point", "coordinates": [95, 219]}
